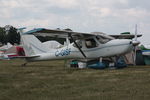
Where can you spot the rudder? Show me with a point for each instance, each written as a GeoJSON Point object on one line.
{"type": "Point", "coordinates": [32, 46]}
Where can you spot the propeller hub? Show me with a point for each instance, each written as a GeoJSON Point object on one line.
{"type": "Point", "coordinates": [135, 43]}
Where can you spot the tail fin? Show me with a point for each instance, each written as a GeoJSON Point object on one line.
{"type": "Point", "coordinates": [32, 46]}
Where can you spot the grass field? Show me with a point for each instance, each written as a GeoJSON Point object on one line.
{"type": "Point", "coordinates": [52, 81]}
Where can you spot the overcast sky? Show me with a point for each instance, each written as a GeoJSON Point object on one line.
{"type": "Point", "coordinates": [108, 16]}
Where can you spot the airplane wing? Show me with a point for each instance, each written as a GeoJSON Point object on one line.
{"type": "Point", "coordinates": [76, 35]}
{"type": "Point", "coordinates": [125, 36]}
{"type": "Point", "coordinates": [58, 33]}
{"type": "Point", "coordinates": [65, 33]}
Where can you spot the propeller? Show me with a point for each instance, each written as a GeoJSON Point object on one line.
{"type": "Point", "coordinates": [135, 43]}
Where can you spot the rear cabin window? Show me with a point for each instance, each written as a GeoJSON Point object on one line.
{"type": "Point", "coordinates": [79, 43]}
{"type": "Point", "coordinates": [90, 43]}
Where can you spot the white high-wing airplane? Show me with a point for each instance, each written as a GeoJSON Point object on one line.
{"type": "Point", "coordinates": [83, 46]}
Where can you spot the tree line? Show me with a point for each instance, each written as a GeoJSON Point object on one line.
{"type": "Point", "coordinates": [11, 35]}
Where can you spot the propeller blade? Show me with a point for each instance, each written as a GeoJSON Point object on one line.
{"type": "Point", "coordinates": [77, 45]}
{"type": "Point", "coordinates": [135, 32]}
{"type": "Point", "coordinates": [135, 43]}
{"type": "Point", "coordinates": [134, 55]}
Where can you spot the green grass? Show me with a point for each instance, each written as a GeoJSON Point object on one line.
{"type": "Point", "coordinates": [50, 80]}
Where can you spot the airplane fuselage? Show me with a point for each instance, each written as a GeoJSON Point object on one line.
{"type": "Point", "coordinates": [111, 48]}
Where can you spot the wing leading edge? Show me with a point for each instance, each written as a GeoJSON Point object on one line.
{"type": "Point", "coordinates": [57, 33]}
{"type": "Point", "coordinates": [76, 35]}
{"type": "Point", "coordinates": [125, 36]}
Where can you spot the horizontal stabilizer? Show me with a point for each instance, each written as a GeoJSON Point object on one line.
{"type": "Point", "coordinates": [25, 56]}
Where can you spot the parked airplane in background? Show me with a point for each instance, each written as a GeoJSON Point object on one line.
{"type": "Point", "coordinates": [12, 52]}
{"type": "Point", "coordinates": [3, 49]}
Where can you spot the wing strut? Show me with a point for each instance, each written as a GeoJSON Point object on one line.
{"type": "Point", "coordinates": [77, 45]}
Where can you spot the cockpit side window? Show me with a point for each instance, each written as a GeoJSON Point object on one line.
{"type": "Point", "coordinates": [102, 40]}
{"type": "Point", "coordinates": [90, 43]}
{"type": "Point", "coordinates": [79, 43]}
